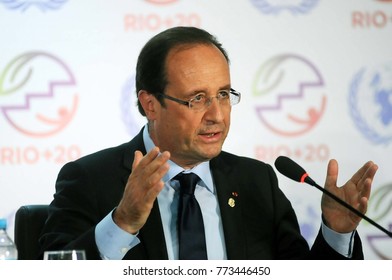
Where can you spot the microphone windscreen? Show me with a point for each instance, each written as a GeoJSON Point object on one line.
{"type": "Point", "coordinates": [289, 168]}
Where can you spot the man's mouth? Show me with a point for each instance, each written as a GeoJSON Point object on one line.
{"type": "Point", "coordinates": [210, 135]}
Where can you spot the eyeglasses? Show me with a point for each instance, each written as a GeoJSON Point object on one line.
{"type": "Point", "coordinates": [201, 101]}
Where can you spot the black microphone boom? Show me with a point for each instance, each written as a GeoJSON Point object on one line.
{"type": "Point", "coordinates": [292, 170]}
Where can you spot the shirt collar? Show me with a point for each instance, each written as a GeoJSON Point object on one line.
{"type": "Point", "coordinates": [202, 169]}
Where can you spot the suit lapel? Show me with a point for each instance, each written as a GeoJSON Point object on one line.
{"type": "Point", "coordinates": [151, 235]}
{"type": "Point", "coordinates": [229, 199]}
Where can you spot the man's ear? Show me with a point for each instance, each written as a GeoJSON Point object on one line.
{"type": "Point", "coordinates": [148, 102]}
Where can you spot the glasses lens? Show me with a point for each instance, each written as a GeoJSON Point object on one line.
{"type": "Point", "coordinates": [235, 97]}
{"type": "Point", "coordinates": [232, 98]}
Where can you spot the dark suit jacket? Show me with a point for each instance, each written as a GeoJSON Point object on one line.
{"type": "Point", "coordinates": [261, 225]}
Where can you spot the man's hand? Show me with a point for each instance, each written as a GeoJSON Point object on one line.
{"type": "Point", "coordinates": [355, 192]}
{"type": "Point", "coordinates": [143, 186]}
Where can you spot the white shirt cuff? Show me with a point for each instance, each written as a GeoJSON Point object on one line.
{"type": "Point", "coordinates": [343, 243]}
{"type": "Point", "coordinates": [112, 241]}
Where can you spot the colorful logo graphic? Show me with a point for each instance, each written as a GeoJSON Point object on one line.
{"type": "Point", "coordinates": [309, 224]}
{"type": "Point", "coordinates": [289, 91]}
{"type": "Point", "coordinates": [276, 6]}
{"type": "Point", "coordinates": [130, 115]}
{"type": "Point", "coordinates": [35, 97]}
{"type": "Point", "coordinates": [370, 102]}
{"type": "Point", "coordinates": [161, 2]}
{"type": "Point", "coordinates": [380, 205]}
{"type": "Point", "coordinates": [24, 5]}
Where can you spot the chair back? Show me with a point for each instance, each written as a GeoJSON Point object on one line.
{"type": "Point", "coordinates": [29, 222]}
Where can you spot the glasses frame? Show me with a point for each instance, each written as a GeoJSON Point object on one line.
{"type": "Point", "coordinates": [189, 102]}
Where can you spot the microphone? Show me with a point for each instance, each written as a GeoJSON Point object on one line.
{"type": "Point", "coordinates": [292, 170]}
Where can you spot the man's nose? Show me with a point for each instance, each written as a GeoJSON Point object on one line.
{"type": "Point", "coordinates": [214, 109]}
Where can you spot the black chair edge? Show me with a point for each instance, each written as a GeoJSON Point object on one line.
{"type": "Point", "coordinates": [29, 222]}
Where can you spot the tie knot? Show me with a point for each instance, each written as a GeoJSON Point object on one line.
{"type": "Point", "coordinates": [188, 182]}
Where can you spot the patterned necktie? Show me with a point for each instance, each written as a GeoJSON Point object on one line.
{"type": "Point", "coordinates": [191, 237]}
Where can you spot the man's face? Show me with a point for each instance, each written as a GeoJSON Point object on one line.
{"type": "Point", "coordinates": [193, 136]}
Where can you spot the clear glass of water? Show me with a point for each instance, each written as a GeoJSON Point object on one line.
{"type": "Point", "coordinates": [65, 255]}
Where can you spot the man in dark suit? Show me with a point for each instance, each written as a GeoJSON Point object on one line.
{"type": "Point", "coordinates": [122, 202]}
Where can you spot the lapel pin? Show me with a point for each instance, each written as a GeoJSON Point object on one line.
{"type": "Point", "coordinates": [231, 202]}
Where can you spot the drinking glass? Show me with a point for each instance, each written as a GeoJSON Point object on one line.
{"type": "Point", "coordinates": [65, 255]}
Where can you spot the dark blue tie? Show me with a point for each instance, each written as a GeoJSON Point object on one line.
{"type": "Point", "coordinates": [191, 237]}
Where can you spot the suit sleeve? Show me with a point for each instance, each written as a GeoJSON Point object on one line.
{"type": "Point", "coordinates": [73, 214]}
